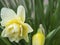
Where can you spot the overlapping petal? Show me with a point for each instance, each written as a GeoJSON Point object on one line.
{"type": "Point", "coordinates": [6, 15]}
{"type": "Point", "coordinates": [21, 13]}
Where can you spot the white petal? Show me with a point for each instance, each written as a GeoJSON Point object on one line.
{"type": "Point", "coordinates": [15, 38]}
{"type": "Point", "coordinates": [15, 27]}
{"type": "Point", "coordinates": [3, 34]}
{"type": "Point", "coordinates": [11, 39]}
{"type": "Point", "coordinates": [21, 12]}
{"type": "Point", "coordinates": [6, 15]}
{"type": "Point", "coordinates": [29, 28]}
{"type": "Point", "coordinates": [17, 41]}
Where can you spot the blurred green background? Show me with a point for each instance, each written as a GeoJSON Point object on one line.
{"type": "Point", "coordinates": [45, 12]}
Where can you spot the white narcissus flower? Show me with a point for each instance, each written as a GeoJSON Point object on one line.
{"type": "Point", "coordinates": [15, 28]}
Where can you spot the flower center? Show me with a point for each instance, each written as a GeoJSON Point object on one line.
{"type": "Point", "coordinates": [14, 26]}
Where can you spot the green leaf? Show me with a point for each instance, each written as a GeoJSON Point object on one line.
{"type": "Point", "coordinates": [51, 35]}
{"type": "Point", "coordinates": [5, 41]}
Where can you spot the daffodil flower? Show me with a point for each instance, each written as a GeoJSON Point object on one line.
{"type": "Point", "coordinates": [15, 28]}
{"type": "Point", "coordinates": [39, 37]}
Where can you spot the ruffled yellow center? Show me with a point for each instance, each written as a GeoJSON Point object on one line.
{"type": "Point", "coordinates": [15, 29]}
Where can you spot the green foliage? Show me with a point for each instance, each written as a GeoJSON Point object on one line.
{"type": "Point", "coordinates": [34, 16]}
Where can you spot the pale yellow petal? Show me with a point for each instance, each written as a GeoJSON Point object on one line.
{"type": "Point", "coordinates": [26, 38]}
{"type": "Point", "coordinates": [5, 32]}
{"type": "Point", "coordinates": [21, 12]}
{"type": "Point", "coordinates": [6, 15]}
{"type": "Point", "coordinates": [21, 31]}
{"type": "Point", "coordinates": [29, 28]}
{"type": "Point", "coordinates": [15, 38]}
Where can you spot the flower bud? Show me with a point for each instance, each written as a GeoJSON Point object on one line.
{"type": "Point", "coordinates": [39, 37]}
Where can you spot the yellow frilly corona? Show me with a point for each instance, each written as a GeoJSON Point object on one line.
{"type": "Point", "coordinates": [15, 28]}
{"type": "Point", "coordinates": [39, 37]}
